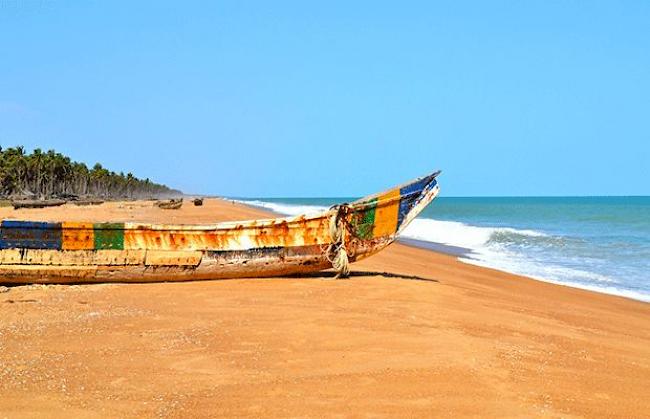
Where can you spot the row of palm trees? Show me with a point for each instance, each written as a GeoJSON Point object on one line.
{"type": "Point", "coordinates": [51, 174]}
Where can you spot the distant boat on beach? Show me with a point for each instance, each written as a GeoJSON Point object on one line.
{"type": "Point", "coordinates": [171, 204]}
{"type": "Point", "coordinates": [36, 203]}
{"type": "Point", "coordinates": [88, 201]}
{"type": "Point", "coordinates": [79, 252]}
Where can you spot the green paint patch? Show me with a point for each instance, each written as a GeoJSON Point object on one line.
{"type": "Point", "coordinates": [109, 236]}
{"type": "Point", "coordinates": [363, 220]}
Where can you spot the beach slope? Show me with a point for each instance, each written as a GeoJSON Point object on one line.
{"type": "Point", "coordinates": [410, 333]}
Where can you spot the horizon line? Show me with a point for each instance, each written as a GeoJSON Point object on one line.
{"type": "Point", "coordinates": [460, 196]}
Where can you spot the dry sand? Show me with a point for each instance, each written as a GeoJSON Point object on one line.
{"type": "Point", "coordinates": [411, 334]}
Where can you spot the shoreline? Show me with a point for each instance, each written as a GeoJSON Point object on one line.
{"type": "Point", "coordinates": [464, 255]}
{"type": "Point", "coordinates": [460, 254]}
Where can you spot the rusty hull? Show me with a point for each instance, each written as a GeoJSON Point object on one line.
{"type": "Point", "coordinates": [78, 252]}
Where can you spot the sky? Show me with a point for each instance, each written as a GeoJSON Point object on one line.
{"type": "Point", "coordinates": [308, 99]}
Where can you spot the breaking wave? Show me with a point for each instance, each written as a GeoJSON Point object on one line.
{"type": "Point", "coordinates": [469, 237]}
{"type": "Point", "coordinates": [284, 209]}
{"type": "Point", "coordinates": [536, 254]}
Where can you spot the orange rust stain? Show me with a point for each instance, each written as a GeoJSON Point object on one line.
{"type": "Point", "coordinates": [272, 235]}
{"type": "Point", "coordinates": [264, 237]}
{"type": "Point", "coordinates": [284, 227]}
{"type": "Point", "coordinates": [179, 240]}
{"type": "Point", "coordinates": [323, 230]}
{"type": "Point", "coordinates": [298, 232]}
{"type": "Point", "coordinates": [281, 233]}
{"type": "Point", "coordinates": [77, 236]}
{"type": "Point", "coordinates": [316, 231]}
{"type": "Point", "coordinates": [305, 230]}
{"type": "Point", "coordinates": [146, 239]}
{"type": "Point", "coordinates": [214, 240]}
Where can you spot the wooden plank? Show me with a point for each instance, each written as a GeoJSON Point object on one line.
{"type": "Point", "coordinates": [109, 236]}
{"type": "Point", "coordinates": [165, 239]}
{"type": "Point", "coordinates": [21, 274]}
{"type": "Point", "coordinates": [71, 257]}
{"type": "Point", "coordinates": [78, 236]}
{"type": "Point", "coordinates": [386, 213]}
{"type": "Point", "coordinates": [173, 258]}
{"type": "Point", "coordinates": [30, 235]}
{"type": "Point", "coordinates": [409, 195]}
{"type": "Point", "coordinates": [10, 256]}
{"type": "Point", "coordinates": [119, 257]}
{"type": "Point", "coordinates": [363, 220]}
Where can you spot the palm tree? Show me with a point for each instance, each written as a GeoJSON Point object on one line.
{"type": "Point", "coordinates": [51, 173]}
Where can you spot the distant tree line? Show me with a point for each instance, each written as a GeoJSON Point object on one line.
{"type": "Point", "coordinates": [51, 174]}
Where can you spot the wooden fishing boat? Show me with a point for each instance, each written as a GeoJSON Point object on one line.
{"type": "Point", "coordinates": [171, 204]}
{"type": "Point", "coordinates": [88, 201]}
{"type": "Point", "coordinates": [36, 203]}
{"type": "Point", "coordinates": [79, 252]}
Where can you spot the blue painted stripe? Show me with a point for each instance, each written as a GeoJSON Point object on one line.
{"type": "Point", "coordinates": [409, 195]}
{"type": "Point", "coordinates": [30, 235]}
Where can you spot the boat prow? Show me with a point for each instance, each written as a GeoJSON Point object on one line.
{"type": "Point", "coordinates": [77, 252]}
{"type": "Point", "coordinates": [375, 221]}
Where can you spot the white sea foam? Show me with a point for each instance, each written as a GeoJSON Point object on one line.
{"type": "Point", "coordinates": [501, 248]}
{"type": "Point", "coordinates": [284, 209]}
{"type": "Point", "coordinates": [453, 233]}
{"type": "Point", "coordinates": [556, 275]}
{"type": "Point", "coordinates": [487, 248]}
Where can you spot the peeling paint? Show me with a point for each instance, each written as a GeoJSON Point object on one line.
{"type": "Point", "coordinates": [57, 252]}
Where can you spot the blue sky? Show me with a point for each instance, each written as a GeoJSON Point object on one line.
{"type": "Point", "coordinates": [336, 98]}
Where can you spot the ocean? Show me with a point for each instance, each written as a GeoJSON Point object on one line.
{"type": "Point", "coordinates": [596, 243]}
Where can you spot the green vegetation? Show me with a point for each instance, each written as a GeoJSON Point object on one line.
{"type": "Point", "coordinates": [51, 174]}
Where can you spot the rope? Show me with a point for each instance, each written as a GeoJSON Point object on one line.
{"type": "Point", "coordinates": [337, 255]}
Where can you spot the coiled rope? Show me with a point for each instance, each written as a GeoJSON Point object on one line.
{"type": "Point", "coordinates": [337, 254]}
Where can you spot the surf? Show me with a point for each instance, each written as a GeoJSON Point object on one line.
{"type": "Point", "coordinates": [561, 252]}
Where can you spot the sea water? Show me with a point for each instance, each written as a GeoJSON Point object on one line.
{"type": "Point", "coordinates": [596, 243]}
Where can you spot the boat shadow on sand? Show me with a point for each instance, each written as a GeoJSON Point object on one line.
{"type": "Point", "coordinates": [323, 275]}
{"type": "Point", "coordinates": [360, 274]}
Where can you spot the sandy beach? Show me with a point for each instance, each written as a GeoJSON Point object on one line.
{"type": "Point", "coordinates": [412, 333]}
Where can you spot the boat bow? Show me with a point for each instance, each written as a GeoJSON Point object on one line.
{"type": "Point", "coordinates": [373, 222]}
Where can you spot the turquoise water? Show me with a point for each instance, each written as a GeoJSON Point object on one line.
{"type": "Point", "coordinates": [598, 243]}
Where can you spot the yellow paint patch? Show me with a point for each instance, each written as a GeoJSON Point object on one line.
{"type": "Point", "coordinates": [386, 213]}
{"type": "Point", "coordinates": [71, 258]}
{"type": "Point", "coordinates": [172, 258]}
{"type": "Point", "coordinates": [118, 257]}
{"type": "Point", "coordinates": [10, 256]}
{"type": "Point", "coordinates": [78, 236]}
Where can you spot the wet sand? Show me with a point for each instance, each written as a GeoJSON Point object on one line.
{"type": "Point", "coordinates": [412, 333]}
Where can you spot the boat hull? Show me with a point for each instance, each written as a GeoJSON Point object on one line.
{"type": "Point", "coordinates": [77, 252]}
